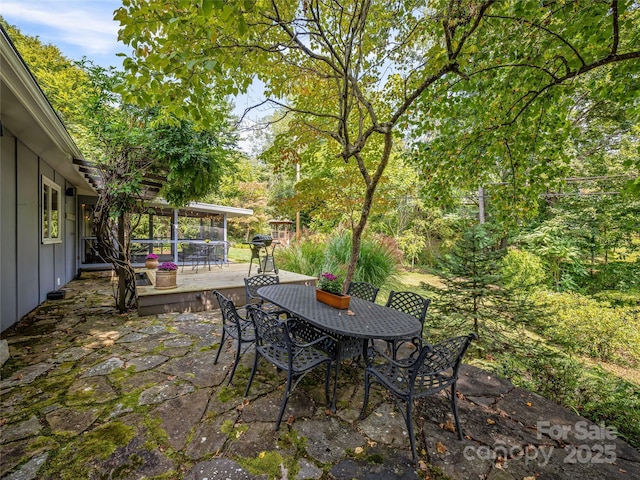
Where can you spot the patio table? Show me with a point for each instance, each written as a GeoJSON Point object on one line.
{"type": "Point", "coordinates": [352, 328]}
{"type": "Point", "coordinates": [206, 251]}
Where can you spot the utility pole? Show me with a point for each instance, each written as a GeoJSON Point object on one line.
{"type": "Point", "coordinates": [298, 212]}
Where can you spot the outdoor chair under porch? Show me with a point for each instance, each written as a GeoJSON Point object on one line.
{"type": "Point", "coordinates": [235, 326]}
{"type": "Point", "coordinates": [431, 371]}
{"type": "Point", "coordinates": [276, 343]}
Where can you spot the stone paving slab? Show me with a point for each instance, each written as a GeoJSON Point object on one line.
{"type": "Point", "coordinates": [89, 393]}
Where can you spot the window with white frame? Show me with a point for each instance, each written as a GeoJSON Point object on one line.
{"type": "Point", "coordinates": [51, 198]}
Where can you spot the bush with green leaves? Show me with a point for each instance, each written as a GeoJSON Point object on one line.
{"type": "Point", "coordinates": [589, 327]}
{"type": "Point", "coordinates": [522, 270]}
{"type": "Point", "coordinates": [592, 392]}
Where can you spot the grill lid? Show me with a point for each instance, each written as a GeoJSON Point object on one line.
{"type": "Point", "coordinates": [264, 239]}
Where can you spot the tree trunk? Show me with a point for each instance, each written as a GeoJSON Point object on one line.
{"type": "Point", "coordinates": [371, 183]}
{"type": "Point", "coordinates": [122, 275]}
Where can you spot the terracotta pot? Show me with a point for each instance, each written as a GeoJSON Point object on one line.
{"type": "Point", "coordinates": [151, 264]}
{"type": "Point", "coordinates": [166, 279]}
{"type": "Point", "coordinates": [333, 300]}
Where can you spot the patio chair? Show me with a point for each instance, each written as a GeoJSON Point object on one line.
{"type": "Point", "coordinates": [235, 326]}
{"type": "Point", "coordinates": [251, 286]}
{"type": "Point", "coordinates": [434, 369]}
{"type": "Point", "coordinates": [195, 254]}
{"type": "Point", "coordinates": [276, 343]}
{"type": "Point", "coordinates": [412, 304]}
{"type": "Point", "coordinates": [363, 290]}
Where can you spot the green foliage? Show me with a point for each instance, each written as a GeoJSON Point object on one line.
{"type": "Point", "coordinates": [378, 261]}
{"type": "Point", "coordinates": [620, 276]}
{"type": "Point", "coordinates": [586, 326]}
{"type": "Point", "coordinates": [474, 296]}
{"type": "Point", "coordinates": [522, 270]}
{"type": "Point", "coordinates": [560, 251]}
{"type": "Point", "coordinates": [486, 91]}
{"type": "Point", "coordinates": [591, 392]}
{"type": "Point", "coordinates": [305, 257]}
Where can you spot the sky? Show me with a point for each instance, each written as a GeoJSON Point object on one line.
{"type": "Point", "coordinates": [77, 27]}
{"type": "Point", "coordinates": [86, 28]}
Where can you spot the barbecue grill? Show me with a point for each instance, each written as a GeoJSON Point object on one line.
{"type": "Point", "coordinates": [262, 247]}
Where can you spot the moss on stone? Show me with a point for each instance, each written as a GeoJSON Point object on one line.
{"type": "Point", "coordinates": [272, 464]}
{"type": "Point", "coordinates": [73, 460]}
{"type": "Point", "coordinates": [231, 430]}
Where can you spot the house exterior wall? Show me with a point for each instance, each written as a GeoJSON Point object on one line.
{"type": "Point", "coordinates": [30, 269]}
{"type": "Point", "coordinates": [8, 237]}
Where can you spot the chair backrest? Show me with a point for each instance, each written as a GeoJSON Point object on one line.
{"type": "Point", "coordinates": [229, 313]}
{"type": "Point", "coordinates": [363, 290]}
{"type": "Point", "coordinates": [271, 332]}
{"type": "Point", "coordinates": [439, 363]}
{"type": "Point", "coordinates": [410, 303]}
{"type": "Point", "coordinates": [252, 284]}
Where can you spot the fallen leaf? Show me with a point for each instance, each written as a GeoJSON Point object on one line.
{"type": "Point", "coordinates": [371, 443]}
{"type": "Point", "coordinates": [378, 414]}
{"type": "Point", "coordinates": [349, 312]}
{"type": "Point", "coordinates": [358, 450]}
{"type": "Point", "coordinates": [327, 411]}
{"type": "Point", "coordinates": [290, 420]}
{"type": "Point", "coordinates": [422, 465]}
{"type": "Point", "coordinates": [529, 404]}
{"type": "Point", "coordinates": [440, 447]}
{"type": "Point", "coordinates": [529, 478]}
{"type": "Point", "coordinates": [622, 470]}
{"type": "Point", "coordinates": [449, 426]}
{"type": "Point", "coordinates": [490, 422]}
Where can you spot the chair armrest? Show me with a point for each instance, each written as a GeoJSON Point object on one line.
{"type": "Point", "coordinates": [310, 334]}
{"type": "Point", "coordinates": [373, 352]}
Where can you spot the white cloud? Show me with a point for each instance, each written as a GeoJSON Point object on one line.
{"type": "Point", "coordinates": [87, 25]}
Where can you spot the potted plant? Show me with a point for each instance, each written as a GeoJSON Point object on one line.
{"type": "Point", "coordinates": [151, 261]}
{"type": "Point", "coordinates": [329, 291]}
{"type": "Point", "coordinates": [166, 276]}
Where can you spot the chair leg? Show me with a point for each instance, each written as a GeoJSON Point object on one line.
{"type": "Point", "coordinates": [284, 400]}
{"type": "Point", "coordinates": [221, 345]}
{"type": "Point", "coordinates": [253, 372]}
{"type": "Point", "coordinates": [335, 387]}
{"type": "Point", "coordinates": [326, 384]}
{"type": "Point", "coordinates": [454, 407]}
{"type": "Point", "coordinates": [235, 363]}
{"type": "Point", "coordinates": [365, 402]}
{"type": "Point", "coordinates": [409, 420]}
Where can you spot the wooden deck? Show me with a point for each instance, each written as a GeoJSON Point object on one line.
{"type": "Point", "coordinates": [194, 292]}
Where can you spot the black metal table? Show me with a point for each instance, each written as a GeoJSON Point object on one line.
{"type": "Point", "coordinates": [352, 329]}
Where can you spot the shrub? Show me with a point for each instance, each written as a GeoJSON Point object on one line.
{"type": "Point", "coordinates": [591, 392]}
{"type": "Point", "coordinates": [378, 261]}
{"type": "Point", "coordinates": [593, 328]}
{"type": "Point", "coordinates": [305, 257]}
{"type": "Point", "coordinates": [619, 276]}
{"type": "Point", "coordinates": [522, 270]}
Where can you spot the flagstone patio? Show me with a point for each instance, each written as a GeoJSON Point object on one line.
{"type": "Point", "coordinates": [90, 393]}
